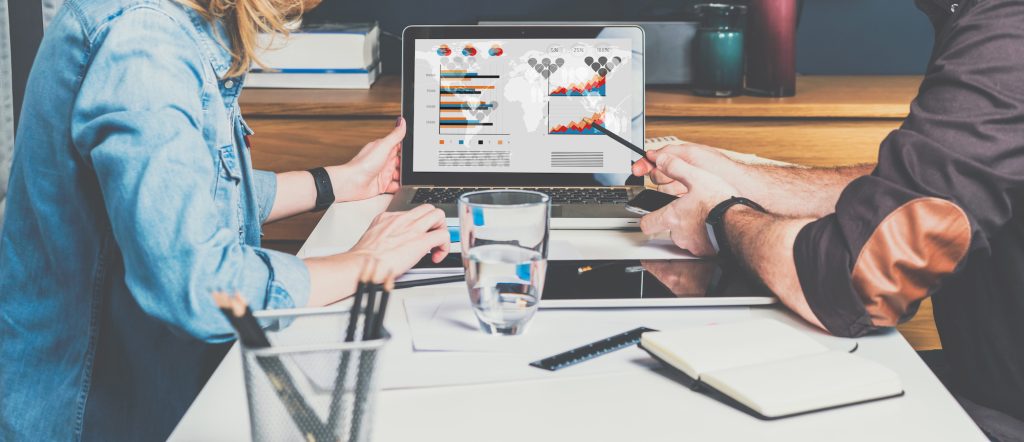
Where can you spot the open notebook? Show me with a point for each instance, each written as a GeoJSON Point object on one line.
{"type": "Point", "coordinates": [769, 369]}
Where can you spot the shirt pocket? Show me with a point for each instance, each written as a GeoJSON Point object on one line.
{"type": "Point", "coordinates": [227, 181]}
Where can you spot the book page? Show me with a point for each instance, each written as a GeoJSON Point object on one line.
{"type": "Point", "coordinates": [806, 383]}
{"type": "Point", "coordinates": [700, 350]}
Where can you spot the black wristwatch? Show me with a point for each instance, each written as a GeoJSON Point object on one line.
{"type": "Point", "coordinates": [715, 224]}
{"type": "Point", "coordinates": [324, 189]}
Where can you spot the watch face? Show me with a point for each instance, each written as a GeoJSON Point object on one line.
{"type": "Point", "coordinates": [711, 237]}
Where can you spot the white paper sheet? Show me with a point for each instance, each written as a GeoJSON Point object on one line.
{"type": "Point", "coordinates": [448, 324]}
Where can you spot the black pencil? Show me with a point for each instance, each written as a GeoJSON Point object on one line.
{"type": "Point", "coordinates": [252, 336]}
{"type": "Point", "coordinates": [367, 358]}
{"type": "Point", "coordinates": [350, 333]}
{"type": "Point", "coordinates": [378, 323]}
{"type": "Point", "coordinates": [429, 281]}
{"type": "Point", "coordinates": [622, 141]}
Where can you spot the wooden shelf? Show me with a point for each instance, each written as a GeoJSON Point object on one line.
{"type": "Point", "coordinates": [817, 97]}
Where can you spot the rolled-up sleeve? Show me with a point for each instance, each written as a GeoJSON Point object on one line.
{"type": "Point", "coordinates": [140, 126]}
{"type": "Point", "coordinates": [945, 183]}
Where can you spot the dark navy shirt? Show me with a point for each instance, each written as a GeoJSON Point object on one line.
{"type": "Point", "coordinates": [942, 215]}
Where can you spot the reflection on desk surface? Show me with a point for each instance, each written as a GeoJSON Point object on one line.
{"type": "Point", "coordinates": [645, 279]}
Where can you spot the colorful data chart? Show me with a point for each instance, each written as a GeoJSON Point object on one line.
{"type": "Point", "coordinates": [583, 126]}
{"type": "Point", "coordinates": [495, 51]}
{"type": "Point", "coordinates": [593, 87]}
{"type": "Point", "coordinates": [444, 51]}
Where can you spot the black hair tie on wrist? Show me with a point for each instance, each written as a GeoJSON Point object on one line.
{"type": "Point", "coordinates": [324, 189]}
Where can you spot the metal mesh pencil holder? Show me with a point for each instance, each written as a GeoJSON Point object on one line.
{"type": "Point", "coordinates": [311, 385]}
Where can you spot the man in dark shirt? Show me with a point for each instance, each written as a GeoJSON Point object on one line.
{"type": "Point", "coordinates": [854, 249]}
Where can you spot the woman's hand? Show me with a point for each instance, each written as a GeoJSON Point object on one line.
{"type": "Point", "coordinates": [394, 242]}
{"type": "Point", "coordinates": [398, 240]}
{"type": "Point", "coordinates": [376, 169]}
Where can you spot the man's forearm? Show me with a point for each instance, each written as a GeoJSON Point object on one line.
{"type": "Point", "coordinates": [763, 243]}
{"type": "Point", "coordinates": [797, 191]}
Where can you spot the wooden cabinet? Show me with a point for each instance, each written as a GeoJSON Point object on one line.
{"type": "Point", "coordinates": [833, 120]}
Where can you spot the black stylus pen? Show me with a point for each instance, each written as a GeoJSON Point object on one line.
{"type": "Point", "coordinates": [621, 140]}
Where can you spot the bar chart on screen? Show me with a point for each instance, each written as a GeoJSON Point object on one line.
{"type": "Point", "coordinates": [468, 103]}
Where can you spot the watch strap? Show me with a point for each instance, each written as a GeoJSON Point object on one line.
{"type": "Point", "coordinates": [715, 223]}
{"type": "Point", "coordinates": [324, 188]}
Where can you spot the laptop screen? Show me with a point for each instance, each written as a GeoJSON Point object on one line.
{"type": "Point", "coordinates": [526, 105]}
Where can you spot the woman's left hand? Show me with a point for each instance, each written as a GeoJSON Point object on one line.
{"type": "Point", "coordinates": [376, 169]}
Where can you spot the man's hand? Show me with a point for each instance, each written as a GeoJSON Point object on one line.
{"type": "Point", "coordinates": [397, 240]}
{"type": "Point", "coordinates": [376, 169]}
{"type": "Point", "coordinates": [684, 218]}
{"type": "Point", "coordinates": [704, 157]}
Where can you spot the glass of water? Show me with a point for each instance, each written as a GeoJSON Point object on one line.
{"type": "Point", "coordinates": [504, 249]}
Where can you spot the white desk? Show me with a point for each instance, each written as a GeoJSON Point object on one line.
{"type": "Point", "coordinates": [635, 405]}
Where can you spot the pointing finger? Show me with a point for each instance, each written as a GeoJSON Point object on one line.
{"type": "Point", "coordinates": [642, 167]}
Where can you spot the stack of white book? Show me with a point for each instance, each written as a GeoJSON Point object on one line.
{"type": "Point", "coordinates": [329, 56]}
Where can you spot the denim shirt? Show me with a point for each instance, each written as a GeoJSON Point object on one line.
{"type": "Point", "coordinates": [132, 198]}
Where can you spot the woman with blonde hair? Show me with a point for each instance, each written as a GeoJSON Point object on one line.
{"type": "Point", "coordinates": [132, 198]}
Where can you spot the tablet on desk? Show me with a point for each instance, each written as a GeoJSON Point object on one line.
{"type": "Point", "coordinates": [641, 283]}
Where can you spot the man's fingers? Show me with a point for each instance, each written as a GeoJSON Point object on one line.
{"type": "Point", "coordinates": [659, 177]}
{"type": "Point", "coordinates": [655, 222]}
{"type": "Point", "coordinates": [642, 167]}
{"type": "Point", "coordinates": [673, 188]}
{"type": "Point", "coordinates": [680, 170]}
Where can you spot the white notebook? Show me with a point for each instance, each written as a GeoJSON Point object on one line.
{"type": "Point", "coordinates": [770, 369]}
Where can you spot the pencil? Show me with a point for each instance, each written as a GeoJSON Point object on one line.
{"type": "Point", "coordinates": [367, 358]}
{"type": "Point", "coordinates": [369, 267]}
{"type": "Point", "coordinates": [429, 281]}
{"type": "Point", "coordinates": [252, 336]}
{"type": "Point", "coordinates": [622, 141]}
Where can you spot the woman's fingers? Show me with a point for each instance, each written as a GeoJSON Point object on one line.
{"type": "Point", "coordinates": [425, 222]}
{"type": "Point", "coordinates": [395, 136]}
{"type": "Point", "coordinates": [439, 253]}
{"type": "Point", "coordinates": [434, 242]}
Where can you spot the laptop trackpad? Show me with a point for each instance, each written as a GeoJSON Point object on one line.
{"type": "Point", "coordinates": [556, 211]}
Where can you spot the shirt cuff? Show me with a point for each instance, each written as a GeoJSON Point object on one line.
{"type": "Point", "coordinates": [288, 285]}
{"type": "Point", "coordinates": [266, 192]}
{"type": "Point", "coordinates": [822, 266]}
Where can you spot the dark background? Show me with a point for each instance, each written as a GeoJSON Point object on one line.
{"type": "Point", "coordinates": [835, 36]}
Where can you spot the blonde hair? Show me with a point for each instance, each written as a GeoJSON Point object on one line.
{"type": "Point", "coordinates": [244, 20]}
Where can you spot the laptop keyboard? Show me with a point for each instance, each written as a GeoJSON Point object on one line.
{"type": "Point", "coordinates": [559, 195]}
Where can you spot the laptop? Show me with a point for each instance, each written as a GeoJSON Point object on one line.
{"type": "Point", "coordinates": [490, 107]}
